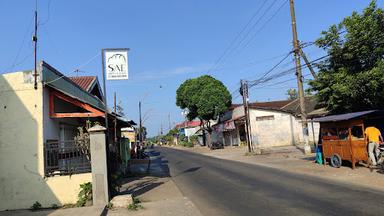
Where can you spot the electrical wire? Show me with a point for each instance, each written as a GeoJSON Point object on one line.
{"type": "Point", "coordinates": [236, 37]}
{"type": "Point", "coordinates": [282, 73]}
{"type": "Point", "coordinates": [74, 70]}
{"type": "Point", "coordinates": [265, 24]}
{"type": "Point", "coordinates": [253, 26]}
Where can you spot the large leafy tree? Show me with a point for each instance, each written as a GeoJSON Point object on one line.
{"type": "Point", "coordinates": [352, 78]}
{"type": "Point", "coordinates": [204, 98]}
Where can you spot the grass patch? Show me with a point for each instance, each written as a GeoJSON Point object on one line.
{"type": "Point", "coordinates": [135, 205]}
{"type": "Point", "coordinates": [250, 154]}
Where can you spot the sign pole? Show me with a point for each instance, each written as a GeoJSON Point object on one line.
{"type": "Point", "coordinates": [106, 124]}
{"type": "Point", "coordinates": [104, 89]}
{"type": "Point", "coordinates": [116, 61]}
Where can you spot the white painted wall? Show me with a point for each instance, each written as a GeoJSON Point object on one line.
{"type": "Point", "coordinates": [191, 131]}
{"type": "Point", "coordinates": [23, 112]}
{"type": "Point", "coordinates": [283, 130]}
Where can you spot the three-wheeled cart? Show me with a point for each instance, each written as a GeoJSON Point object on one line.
{"type": "Point", "coordinates": [342, 136]}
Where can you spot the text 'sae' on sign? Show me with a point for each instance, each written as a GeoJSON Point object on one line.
{"type": "Point", "coordinates": [116, 64]}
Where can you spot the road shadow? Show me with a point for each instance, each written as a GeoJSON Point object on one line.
{"type": "Point", "coordinates": [193, 169]}
{"type": "Point", "coordinates": [140, 180]}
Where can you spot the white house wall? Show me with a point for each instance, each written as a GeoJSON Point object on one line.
{"type": "Point", "coordinates": [268, 133]}
{"type": "Point", "coordinates": [283, 130]}
{"type": "Point", "coordinates": [24, 127]}
{"type": "Point", "coordinates": [191, 131]}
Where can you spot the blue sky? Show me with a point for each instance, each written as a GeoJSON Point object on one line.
{"type": "Point", "coordinates": [170, 41]}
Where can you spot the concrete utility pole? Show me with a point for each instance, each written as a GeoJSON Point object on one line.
{"type": "Point", "coordinates": [299, 75]}
{"type": "Point", "coordinates": [308, 63]}
{"type": "Point", "coordinates": [244, 93]}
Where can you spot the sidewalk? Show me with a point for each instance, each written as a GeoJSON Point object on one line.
{"type": "Point", "coordinates": [157, 192]}
{"type": "Point", "coordinates": [293, 160]}
{"type": "Point", "coordinates": [86, 211]}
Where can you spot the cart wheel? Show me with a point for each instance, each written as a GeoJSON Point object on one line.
{"type": "Point", "coordinates": [336, 161]}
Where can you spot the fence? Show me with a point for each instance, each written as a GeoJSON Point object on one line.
{"type": "Point", "coordinates": [67, 157]}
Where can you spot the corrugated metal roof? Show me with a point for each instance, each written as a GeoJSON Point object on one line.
{"type": "Point", "coordinates": [85, 82]}
{"type": "Point", "coordinates": [56, 80]}
{"type": "Point", "coordinates": [344, 117]}
{"type": "Point", "coordinates": [270, 104]}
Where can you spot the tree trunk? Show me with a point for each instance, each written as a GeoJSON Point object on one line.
{"type": "Point", "coordinates": [209, 139]}
{"type": "Point", "coordinates": [204, 138]}
{"type": "Point", "coordinates": [203, 130]}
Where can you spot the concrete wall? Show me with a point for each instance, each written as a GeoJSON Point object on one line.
{"type": "Point", "coordinates": [283, 129]}
{"type": "Point", "coordinates": [191, 131]}
{"type": "Point", "coordinates": [22, 137]}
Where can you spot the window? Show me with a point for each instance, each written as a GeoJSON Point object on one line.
{"type": "Point", "coordinates": [265, 118]}
{"type": "Point", "coordinates": [343, 133]}
{"type": "Point", "coordinates": [357, 132]}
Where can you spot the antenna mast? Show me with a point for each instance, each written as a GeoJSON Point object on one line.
{"type": "Point", "coordinates": [34, 39]}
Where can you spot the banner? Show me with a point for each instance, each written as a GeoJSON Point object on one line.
{"type": "Point", "coordinates": [116, 64]}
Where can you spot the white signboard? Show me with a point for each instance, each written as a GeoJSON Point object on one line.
{"type": "Point", "coordinates": [116, 64]}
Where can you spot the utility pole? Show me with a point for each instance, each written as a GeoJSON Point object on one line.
{"type": "Point", "coordinates": [161, 129]}
{"type": "Point", "coordinates": [299, 75]}
{"type": "Point", "coordinates": [114, 105]}
{"type": "Point", "coordinates": [34, 39]}
{"type": "Point", "coordinates": [169, 121]}
{"type": "Point", "coordinates": [308, 63]}
{"type": "Point", "coordinates": [140, 125]}
{"type": "Point", "coordinates": [244, 93]}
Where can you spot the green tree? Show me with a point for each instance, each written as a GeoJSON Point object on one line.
{"type": "Point", "coordinates": [205, 98]}
{"type": "Point", "coordinates": [143, 132]}
{"type": "Point", "coordinates": [292, 94]}
{"type": "Point", "coordinates": [352, 78]}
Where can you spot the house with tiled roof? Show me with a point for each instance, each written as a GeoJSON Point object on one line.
{"type": "Point", "coordinates": [89, 84]}
{"type": "Point", "coordinates": [39, 148]}
{"type": "Point", "coordinates": [273, 123]}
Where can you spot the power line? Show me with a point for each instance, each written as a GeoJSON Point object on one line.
{"type": "Point", "coordinates": [76, 69]}
{"type": "Point", "coordinates": [282, 73]}
{"type": "Point", "coordinates": [275, 66]}
{"type": "Point", "coordinates": [237, 36]}
{"type": "Point", "coordinates": [260, 29]}
{"type": "Point", "coordinates": [253, 63]}
{"type": "Point", "coordinates": [49, 14]}
{"type": "Point", "coordinates": [265, 24]}
{"type": "Point", "coordinates": [15, 63]}
{"type": "Point", "coordinates": [255, 24]}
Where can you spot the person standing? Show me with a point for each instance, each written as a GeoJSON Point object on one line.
{"type": "Point", "coordinates": [373, 137]}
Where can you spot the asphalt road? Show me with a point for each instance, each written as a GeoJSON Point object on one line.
{"type": "Point", "coordinates": [223, 187]}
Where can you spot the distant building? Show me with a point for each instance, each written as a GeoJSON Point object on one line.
{"type": "Point", "coordinates": [274, 123]}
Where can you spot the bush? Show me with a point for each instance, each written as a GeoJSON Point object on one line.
{"type": "Point", "coordinates": [194, 139]}
{"type": "Point", "coordinates": [186, 144]}
{"type": "Point", "coordinates": [36, 206]}
{"type": "Point", "coordinates": [85, 194]}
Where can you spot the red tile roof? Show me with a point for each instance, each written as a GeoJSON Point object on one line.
{"type": "Point", "coordinates": [85, 82]}
{"type": "Point", "coordinates": [188, 124]}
